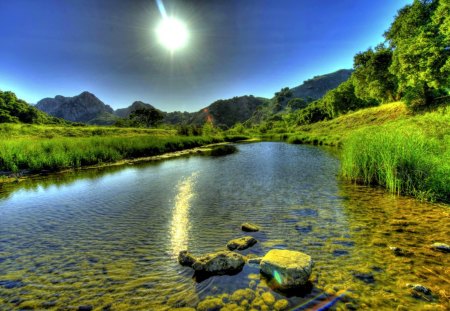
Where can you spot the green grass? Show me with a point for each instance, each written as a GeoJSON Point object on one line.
{"type": "Point", "coordinates": [386, 145]}
{"type": "Point", "coordinates": [408, 156]}
{"type": "Point", "coordinates": [61, 153]}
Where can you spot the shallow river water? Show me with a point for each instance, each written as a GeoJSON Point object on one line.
{"type": "Point", "coordinates": [108, 239]}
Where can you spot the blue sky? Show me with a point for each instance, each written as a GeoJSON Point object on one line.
{"type": "Point", "coordinates": [108, 47]}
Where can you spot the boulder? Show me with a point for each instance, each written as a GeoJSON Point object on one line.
{"type": "Point", "coordinates": [290, 269]}
{"type": "Point", "coordinates": [223, 262]}
{"type": "Point", "coordinates": [241, 243]}
{"type": "Point", "coordinates": [441, 247]}
{"type": "Point", "coordinates": [186, 259]}
{"type": "Point", "coordinates": [210, 304]}
{"type": "Point", "coordinates": [249, 227]}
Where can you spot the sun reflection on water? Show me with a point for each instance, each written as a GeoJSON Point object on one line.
{"type": "Point", "coordinates": [179, 226]}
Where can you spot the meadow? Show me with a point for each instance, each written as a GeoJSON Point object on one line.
{"type": "Point", "coordinates": [41, 147]}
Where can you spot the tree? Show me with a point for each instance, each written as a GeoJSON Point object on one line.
{"type": "Point", "coordinates": [296, 103]}
{"type": "Point", "coordinates": [371, 78]}
{"type": "Point", "coordinates": [147, 116]}
{"type": "Point", "coordinates": [420, 42]}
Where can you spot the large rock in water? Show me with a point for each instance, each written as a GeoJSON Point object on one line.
{"type": "Point", "coordinates": [223, 262]}
{"type": "Point", "coordinates": [290, 269]}
{"type": "Point", "coordinates": [241, 243]}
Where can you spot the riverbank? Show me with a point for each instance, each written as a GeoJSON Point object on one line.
{"type": "Point", "coordinates": [32, 149]}
{"type": "Point", "coordinates": [389, 146]}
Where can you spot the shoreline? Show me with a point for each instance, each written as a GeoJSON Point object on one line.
{"type": "Point", "coordinates": [10, 177]}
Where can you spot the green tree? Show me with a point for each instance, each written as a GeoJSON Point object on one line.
{"type": "Point", "coordinates": [371, 78]}
{"type": "Point", "coordinates": [420, 46]}
{"type": "Point", "coordinates": [296, 103]}
{"type": "Point", "coordinates": [147, 116]}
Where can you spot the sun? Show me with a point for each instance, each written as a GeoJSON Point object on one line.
{"type": "Point", "coordinates": [172, 33]}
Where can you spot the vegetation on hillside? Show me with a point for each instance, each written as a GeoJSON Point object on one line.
{"type": "Point", "coordinates": [14, 110]}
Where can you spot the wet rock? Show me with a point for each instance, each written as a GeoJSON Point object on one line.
{"type": "Point", "coordinates": [85, 308]}
{"type": "Point", "coordinates": [186, 259]}
{"type": "Point", "coordinates": [254, 260]}
{"type": "Point", "coordinates": [249, 227]}
{"type": "Point", "coordinates": [397, 251]}
{"type": "Point", "coordinates": [268, 298]}
{"type": "Point", "coordinates": [243, 294]}
{"type": "Point", "coordinates": [419, 288]}
{"type": "Point", "coordinates": [445, 248]}
{"type": "Point", "coordinates": [290, 269]}
{"type": "Point", "coordinates": [281, 305]}
{"type": "Point", "coordinates": [241, 243]}
{"type": "Point", "coordinates": [232, 307]}
{"type": "Point", "coordinates": [223, 262]}
{"type": "Point", "coordinates": [367, 278]}
{"type": "Point", "coordinates": [258, 304]}
{"type": "Point", "coordinates": [210, 304]}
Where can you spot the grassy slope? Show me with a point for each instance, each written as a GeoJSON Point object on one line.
{"type": "Point", "coordinates": [389, 146]}
{"type": "Point", "coordinates": [43, 147]}
{"type": "Point", "coordinates": [334, 132]}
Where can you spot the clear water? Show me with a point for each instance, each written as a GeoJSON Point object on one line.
{"type": "Point", "coordinates": [109, 238]}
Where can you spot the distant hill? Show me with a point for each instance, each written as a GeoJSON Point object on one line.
{"type": "Point", "coordinates": [14, 110]}
{"type": "Point", "coordinates": [86, 108]}
{"type": "Point", "coordinates": [226, 113]}
{"type": "Point", "coordinates": [316, 87]}
{"type": "Point", "coordinates": [125, 112]}
{"type": "Point", "coordinates": [308, 91]}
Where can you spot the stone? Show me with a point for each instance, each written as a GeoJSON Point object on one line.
{"type": "Point", "coordinates": [268, 298]}
{"type": "Point", "coordinates": [254, 260]}
{"type": "Point", "coordinates": [419, 288]}
{"type": "Point", "coordinates": [367, 278]}
{"type": "Point", "coordinates": [223, 262]}
{"type": "Point", "coordinates": [186, 259]}
{"type": "Point", "coordinates": [85, 308]}
{"type": "Point", "coordinates": [445, 248]}
{"type": "Point", "coordinates": [249, 227]}
{"type": "Point", "coordinates": [243, 294]}
{"type": "Point", "coordinates": [210, 304]}
{"type": "Point", "coordinates": [258, 303]}
{"type": "Point", "coordinates": [290, 269]}
{"type": "Point", "coordinates": [241, 243]}
{"type": "Point", "coordinates": [252, 284]}
{"type": "Point", "coordinates": [281, 305]}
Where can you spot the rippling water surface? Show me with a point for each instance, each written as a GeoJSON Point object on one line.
{"type": "Point", "coordinates": [108, 239]}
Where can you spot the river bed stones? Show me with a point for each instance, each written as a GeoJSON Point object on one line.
{"type": "Point", "coordinates": [290, 269]}
{"type": "Point", "coordinates": [223, 262]}
{"type": "Point", "coordinates": [442, 247]}
{"type": "Point", "coordinates": [241, 243]}
{"type": "Point", "coordinates": [249, 227]}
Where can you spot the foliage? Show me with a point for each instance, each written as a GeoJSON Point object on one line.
{"type": "Point", "coordinates": [420, 42]}
{"type": "Point", "coordinates": [371, 78]}
{"type": "Point", "coordinates": [14, 110]}
{"type": "Point", "coordinates": [148, 117]}
{"type": "Point", "coordinates": [281, 97]}
{"type": "Point", "coordinates": [296, 103]}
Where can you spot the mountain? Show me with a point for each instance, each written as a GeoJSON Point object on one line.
{"type": "Point", "coordinates": [226, 113]}
{"type": "Point", "coordinates": [125, 112]}
{"type": "Point", "coordinates": [86, 108]}
{"type": "Point", "coordinates": [14, 110]}
{"type": "Point", "coordinates": [316, 87]}
{"type": "Point", "coordinates": [309, 91]}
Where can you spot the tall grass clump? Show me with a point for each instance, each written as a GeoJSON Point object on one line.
{"type": "Point", "coordinates": [403, 159]}
{"type": "Point", "coordinates": [37, 154]}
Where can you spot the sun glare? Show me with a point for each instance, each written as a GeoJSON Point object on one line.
{"type": "Point", "coordinates": [172, 33]}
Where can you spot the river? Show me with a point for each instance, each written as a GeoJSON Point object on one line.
{"type": "Point", "coordinates": [109, 239]}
